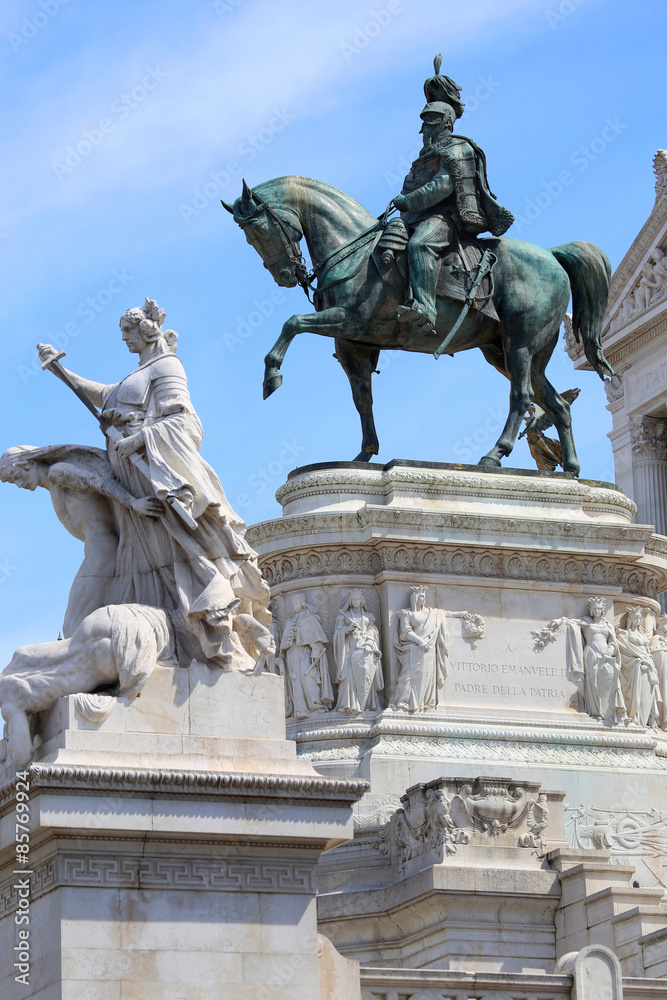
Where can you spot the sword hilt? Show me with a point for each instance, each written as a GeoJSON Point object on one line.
{"type": "Point", "coordinates": [53, 360]}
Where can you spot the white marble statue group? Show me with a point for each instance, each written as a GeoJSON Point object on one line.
{"type": "Point", "coordinates": [356, 673]}
{"type": "Point", "coordinates": [623, 671]}
{"type": "Point", "coordinates": [167, 576]}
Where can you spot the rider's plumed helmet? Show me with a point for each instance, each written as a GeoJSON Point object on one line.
{"type": "Point", "coordinates": [441, 89]}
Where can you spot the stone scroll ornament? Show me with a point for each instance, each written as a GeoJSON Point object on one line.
{"type": "Point", "coordinates": [593, 658]}
{"type": "Point", "coordinates": [306, 666]}
{"type": "Point", "coordinates": [356, 647]}
{"type": "Point", "coordinates": [167, 575]}
{"type": "Point", "coordinates": [422, 648]}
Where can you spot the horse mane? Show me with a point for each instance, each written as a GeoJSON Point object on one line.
{"type": "Point", "coordinates": [300, 185]}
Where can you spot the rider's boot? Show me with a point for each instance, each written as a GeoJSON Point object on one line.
{"type": "Point", "coordinates": [420, 311]}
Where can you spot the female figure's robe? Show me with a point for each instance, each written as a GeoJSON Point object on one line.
{"type": "Point", "coordinates": [592, 651]}
{"type": "Point", "coordinates": [659, 654]}
{"type": "Point", "coordinates": [639, 677]}
{"type": "Point", "coordinates": [356, 644]}
{"type": "Point", "coordinates": [164, 563]}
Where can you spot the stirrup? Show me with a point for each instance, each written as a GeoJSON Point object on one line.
{"type": "Point", "coordinates": [412, 314]}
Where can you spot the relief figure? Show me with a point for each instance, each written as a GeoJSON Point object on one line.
{"type": "Point", "coordinates": [303, 650]}
{"type": "Point", "coordinates": [356, 646]}
{"type": "Point", "coordinates": [639, 675]}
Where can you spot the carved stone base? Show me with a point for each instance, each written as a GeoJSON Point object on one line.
{"type": "Point", "coordinates": [518, 549]}
{"type": "Point", "coordinates": [172, 849]}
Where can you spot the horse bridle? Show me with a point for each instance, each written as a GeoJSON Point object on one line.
{"type": "Point", "coordinates": [291, 248]}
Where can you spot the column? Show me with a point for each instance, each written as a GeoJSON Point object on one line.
{"type": "Point", "coordinates": [649, 446]}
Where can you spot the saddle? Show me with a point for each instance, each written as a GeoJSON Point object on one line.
{"type": "Point", "coordinates": [458, 266]}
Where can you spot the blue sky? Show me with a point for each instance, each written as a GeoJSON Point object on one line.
{"type": "Point", "coordinates": [166, 94]}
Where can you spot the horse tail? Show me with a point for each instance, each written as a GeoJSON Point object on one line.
{"type": "Point", "coordinates": [589, 271]}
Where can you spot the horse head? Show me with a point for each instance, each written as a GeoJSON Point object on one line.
{"type": "Point", "coordinates": [274, 232]}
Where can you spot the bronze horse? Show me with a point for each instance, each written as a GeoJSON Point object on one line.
{"type": "Point", "coordinates": [356, 307]}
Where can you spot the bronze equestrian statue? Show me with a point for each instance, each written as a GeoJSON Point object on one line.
{"type": "Point", "coordinates": [427, 281]}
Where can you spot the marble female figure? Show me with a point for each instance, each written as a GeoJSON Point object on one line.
{"type": "Point", "coordinates": [303, 649]}
{"type": "Point", "coordinates": [356, 645]}
{"type": "Point", "coordinates": [592, 652]}
{"type": "Point", "coordinates": [639, 676]}
{"type": "Point", "coordinates": [203, 575]}
{"type": "Point", "coordinates": [422, 652]}
{"type": "Point", "coordinates": [658, 646]}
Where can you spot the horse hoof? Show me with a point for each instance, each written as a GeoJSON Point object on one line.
{"type": "Point", "coordinates": [572, 470]}
{"type": "Point", "coordinates": [494, 463]}
{"type": "Point", "coordinates": [271, 383]}
{"type": "Point", "coordinates": [364, 456]}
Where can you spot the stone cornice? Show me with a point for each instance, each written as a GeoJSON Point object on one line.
{"type": "Point", "coordinates": [384, 984]}
{"type": "Point", "coordinates": [306, 527]}
{"type": "Point", "coordinates": [455, 559]}
{"type": "Point", "coordinates": [342, 482]}
{"type": "Point", "coordinates": [316, 790]}
{"type": "Point", "coordinates": [424, 727]}
{"type": "Point", "coordinates": [631, 343]}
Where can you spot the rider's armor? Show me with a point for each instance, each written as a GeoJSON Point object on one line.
{"type": "Point", "coordinates": [434, 212]}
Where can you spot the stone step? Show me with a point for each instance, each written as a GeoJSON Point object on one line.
{"type": "Point", "coordinates": [614, 900]}
{"type": "Point", "coordinates": [654, 949]}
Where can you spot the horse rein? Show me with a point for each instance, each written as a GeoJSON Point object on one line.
{"type": "Point", "coordinates": [293, 253]}
{"type": "Point", "coordinates": [290, 247]}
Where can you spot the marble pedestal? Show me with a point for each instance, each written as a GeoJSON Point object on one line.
{"type": "Point", "coordinates": [172, 849]}
{"type": "Point", "coordinates": [520, 549]}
